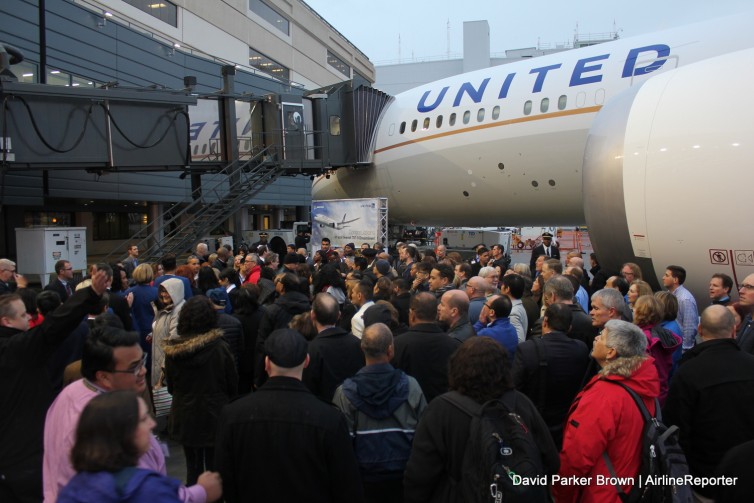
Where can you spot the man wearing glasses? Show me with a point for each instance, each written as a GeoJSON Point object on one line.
{"type": "Point", "coordinates": [112, 360]}
{"type": "Point", "coordinates": [63, 284]}
{"type": "Point", "coordinates": [9, 280]}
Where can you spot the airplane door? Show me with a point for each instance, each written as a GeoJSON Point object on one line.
{"type": "Point", "coordinates": [293, 131]}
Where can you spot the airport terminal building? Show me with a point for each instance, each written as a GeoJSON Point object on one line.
{"type": "Point", "coordinates": [276, 47]}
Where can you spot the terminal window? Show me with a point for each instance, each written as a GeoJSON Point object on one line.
{"type": "Point", "coordinates": [270, 15]}
{"type": "Point", "coordinates": [161, 9]}
{"type": "Point", "coordinates": [269, 66]}
{"type": "Point", "coordinates": [338, 64]}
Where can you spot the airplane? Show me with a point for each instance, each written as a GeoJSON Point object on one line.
{"type": "Point", "coordinates": [329, 222]}
{"type": "Point", "coordinates": [648, 140]}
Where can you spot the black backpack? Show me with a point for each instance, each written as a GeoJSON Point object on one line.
{"type": "Point", "coordinates": [501, 447]}
{"type": "Point", "coordinates": [661, 456]}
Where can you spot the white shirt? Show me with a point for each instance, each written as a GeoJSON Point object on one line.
{"type": "Point", "coordinates": [357, 322]}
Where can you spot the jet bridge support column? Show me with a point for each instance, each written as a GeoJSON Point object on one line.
{"type": "Point", "coordinates": [229, 137]}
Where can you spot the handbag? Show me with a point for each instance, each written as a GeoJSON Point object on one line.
{"type": "Point", "coordinates": [163, 400]}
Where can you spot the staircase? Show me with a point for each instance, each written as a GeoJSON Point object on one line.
{"type": "Point", "coordinates": [211, 204]}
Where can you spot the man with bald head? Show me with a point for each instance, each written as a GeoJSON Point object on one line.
{"type": "Point", "coordinates": [476, 289]}
{"type": "Point", "coordinates": [711, 395]}
{"type": "Point", "coordinates": [424, 350]}
{"type": "Point", "coordinates": [382, 406]}
{"type": "Point", "coordinates": [453, 312]}
{"type": "Point", "coordinates": [334, 354]}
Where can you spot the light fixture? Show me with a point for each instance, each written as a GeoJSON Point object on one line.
{"type": "Point", "coordinates": [27, 75]}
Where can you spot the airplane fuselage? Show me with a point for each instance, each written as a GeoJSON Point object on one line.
{"type": "Point", "coordinates": [505, 145]}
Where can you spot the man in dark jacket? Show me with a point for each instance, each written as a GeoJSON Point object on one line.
{"type": "Point", "coordinates": [289, 303]}
{"type": "Point", "coordinates": [230, 325]}
{"type": "Point", "coordinates": [334, 354]}
{"type": "Point", "coordinates": [424, 350]}
{"type": "Point", "coordinates": [453, 311]}
{"type": "Point", "coordinates": [382, 406]}
{"type": "Point", "coordinates": [549, 369]}
{"type": "Point", "coordinates": [711, 395]}
{"type": "Point", "coordinates": [25, 387]}
{"type": "Point", "coordinates": [559, 290]}
{"type": "Point", "coordinates": [282, 443]}
{"type": "Point", "coordinates": [63, 285]}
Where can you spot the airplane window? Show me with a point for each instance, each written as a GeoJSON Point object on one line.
{"type": "Point", "coordinates": [544, 105]}
{"type": "Point", "coordinates": [480, 115]}
{"type": "Point", "coordinates": [391, 131]}
{"type": "Point", "coordinates": [496, 112]}
{"type": "Point", "coordinates": [425, 126]}
{"type": "Point", "coordinates": [580, 99]}
{"type": "Point", "coordinates": [413, 125]}
{"type": "Point", "coordinates": [196, 149]}
{"type": "Point", "coordinates": [452, 120]}
{"type": "Point", "coordinates": [599, 97]}
{"type": "Point", "coordinates": [562, 102]}
{"type": "Point", "coordinates": [438, 122]}
{"type": "Point", "coordinates": [335, 125]}
{"type": "Point", "coordinates": [527, 107]}
{"type": "Point", "coordinates": [402, 129]}
{"type": "Point", "coordinates": [466, 117]}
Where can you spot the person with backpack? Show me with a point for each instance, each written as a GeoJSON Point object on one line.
{"type": "Point", "coordinates": [471, 441]}
{"type": "Point", "coordinates": [114, 430]}
{"type": "Point", "coordinates": [603, 435]}
{"type": "Point", "coordinates": [661, 342]}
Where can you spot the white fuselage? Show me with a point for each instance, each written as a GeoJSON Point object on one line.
{"type": "Point", "coordinates": [515, 152]}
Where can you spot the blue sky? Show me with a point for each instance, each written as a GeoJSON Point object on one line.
{"type": "Point", "coordinates": [422, 25]}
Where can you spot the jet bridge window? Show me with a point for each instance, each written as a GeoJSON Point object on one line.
{"type": "Point", "coordinates": [425, 125]}
{"type": "Point", "coordinates": [480, 115]}
{"type": "Point", "coordinates": [413, 125]}
{"type": "Point", "coordinates": [335, 125]}
{"type": "Point", "coordinates": [452, 120]}
{"type": "Point", "coordinates": [544, 105]}
{"type": "Point", "coordinates": [527, 107]}
{"type": "Point", "coordinates": [466, 117]}
{"type": "Point", "coordinates": [562, 102]}
{"type": "Point", "coordinates": [496, 112]}
{"type": "Point", "coordinates": [403, 127]}
{"type": "Point", "coordinates": [438, 122]}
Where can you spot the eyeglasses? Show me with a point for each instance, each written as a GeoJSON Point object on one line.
{"type": "Point", "coordinates": [135, 369]}
{"type": "Point", "coordinates": [746, 287]}
{"type": "Point", "coordinates": [68, 269]}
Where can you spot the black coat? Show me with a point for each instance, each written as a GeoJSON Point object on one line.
{"type": "Point", "coordinates": [567, 360]}
{"type": "Point", "coordinates": [423, 353]}
{"type": "Point", "coordinates": [334, 356]}
{"type": "Point", "coordinates": [25, 388]}
{"type": "Point", "coordinates": [250, 325]}
{"type": "Point", "coordinates": [57, 286]}
{"type": "Point", "coordinates": [232, 333]}
{"type": "Point", "coordinates": [282, 443]}
{"type": "Point", "coordinates": [202, 378]}
{"type": "Point", "coordinates": [401, 302]}
{"type": "Point", "coordinates": [439, 445]}
{"type": "Point", "coordinates": [540, 250]}
{"type": "Point", "coordinates": [711, 400]}
{"type": "Point", "coordinates": [276, 316]}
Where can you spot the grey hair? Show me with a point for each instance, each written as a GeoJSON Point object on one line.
{"type": "Point", "coordinates": [522, 269]}
{"type": "Point", "coordinates": [4, 262]}
{"type": "Point", "coordinates": [610, 298]}
{"type": "Point", "coordinates": [626, 338]}
{"type": "Point", "coordinates": [560, 286]}
{"type": "Point", "coordinates": [486, 271]}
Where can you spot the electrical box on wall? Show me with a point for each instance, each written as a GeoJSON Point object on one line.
{"type": "Point", "coordinates": [38, 248]}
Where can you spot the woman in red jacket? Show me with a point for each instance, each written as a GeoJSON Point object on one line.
{"type": "Point", "coordinates": [605, 419]}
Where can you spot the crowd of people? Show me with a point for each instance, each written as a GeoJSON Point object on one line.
{"type": "Point", "coordinates": [348, 374]}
